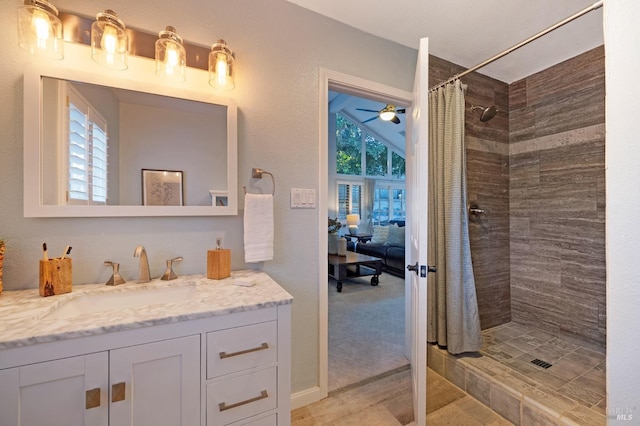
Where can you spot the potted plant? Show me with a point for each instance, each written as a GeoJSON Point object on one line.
{"type": "Point", "coordinates": [334, 227]}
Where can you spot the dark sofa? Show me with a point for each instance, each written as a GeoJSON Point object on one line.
{"type": "Point", "coordinates": [393, 260]}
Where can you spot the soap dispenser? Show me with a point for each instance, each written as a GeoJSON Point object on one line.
{"type": "Point", "coordinates": [218, 262]}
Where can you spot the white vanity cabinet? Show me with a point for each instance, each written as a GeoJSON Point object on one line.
{"type": "Point", "coordinates": [231, 369]}
{"type": "Point", "coordinates": [151, 384]}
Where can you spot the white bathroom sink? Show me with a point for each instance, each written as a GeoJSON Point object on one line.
{"type": "Point", "coordinates": [93, 303]}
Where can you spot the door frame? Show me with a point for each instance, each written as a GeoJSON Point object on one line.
{"type": "Point", "coordinates": [351, 85]}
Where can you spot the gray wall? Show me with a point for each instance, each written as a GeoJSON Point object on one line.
{"type": "Point", "coordinates": [279, 50]}
{"type": "Point", "coordinates": [557, 198]}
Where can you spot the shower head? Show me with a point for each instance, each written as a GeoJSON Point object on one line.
{"type": "Point", "coordinates": [487, 112]}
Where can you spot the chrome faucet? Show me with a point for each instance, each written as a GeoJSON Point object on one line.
{"type": "Point", "coordinates": [145, 274]}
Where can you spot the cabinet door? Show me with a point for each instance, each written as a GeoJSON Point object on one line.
{"type": "Point", "coordinates": [156, 384]}
{"type": "Point", "coordinates": [65, 392]}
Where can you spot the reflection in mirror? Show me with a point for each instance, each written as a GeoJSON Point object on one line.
{"type": "Point", "coordinates": [89, 136]}
{"type": "Point", "coordinates": [97, 140]}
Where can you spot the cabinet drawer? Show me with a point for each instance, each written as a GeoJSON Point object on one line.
{"type": "Point", "coordinates": [271, 420]}
{"type": "Point", "coordinates": [240, 397]}
{"type": "Point", "coordinates": [240, 348]}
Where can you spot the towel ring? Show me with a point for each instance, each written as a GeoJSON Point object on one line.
{"type": "Point", "coordinates": [257, 174]}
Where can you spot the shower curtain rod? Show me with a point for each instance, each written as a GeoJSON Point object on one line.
{"type": "Point", "coordinates": [596, 5]}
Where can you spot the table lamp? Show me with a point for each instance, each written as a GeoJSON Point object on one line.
{"type": "Point", "coordinates": [353, 220]}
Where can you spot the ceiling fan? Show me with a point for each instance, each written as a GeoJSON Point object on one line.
{"type": "Point", "coordinates": [388, 113]}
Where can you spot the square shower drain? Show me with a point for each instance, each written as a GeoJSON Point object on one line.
{"type": "Point", "coordinates": [541, 363]}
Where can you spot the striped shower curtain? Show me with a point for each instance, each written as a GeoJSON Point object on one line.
{"type": "Point", "coordinates": [453, 319]}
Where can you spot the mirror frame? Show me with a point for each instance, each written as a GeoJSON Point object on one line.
{"type": "Point", "coordinates": [139, 77]}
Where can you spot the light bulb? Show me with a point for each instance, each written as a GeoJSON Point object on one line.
{"type": "Point", "coordinates": [221, 69]}
{"type": "Point", "coordinates": [42, 27]}
{"type": "Point", "coordinates": [109, 41]}
{"type": "Point", "coordinates": [173, 58]}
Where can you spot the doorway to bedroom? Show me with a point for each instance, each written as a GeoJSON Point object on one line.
{"type": "Point", "coordinates": [367, 196]}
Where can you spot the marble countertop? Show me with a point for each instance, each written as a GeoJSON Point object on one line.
{"type": "Point", "coordinates": [26, 318]}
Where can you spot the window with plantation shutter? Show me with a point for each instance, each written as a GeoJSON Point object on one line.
{"type": "Point", "coordinates": [87, 152]}
{"type": "Point", "coordinates": [349, 199]}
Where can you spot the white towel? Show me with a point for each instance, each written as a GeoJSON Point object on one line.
{"type": "Point", "coordinates": [258, 227]}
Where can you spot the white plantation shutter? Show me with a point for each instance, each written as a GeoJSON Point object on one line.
{"type": "Point", "coordinates": [349, 199]}
{"type": "Point", "coordinates": [87, 152]}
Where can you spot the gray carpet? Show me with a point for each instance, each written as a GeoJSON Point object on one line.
{"type": "Point", "coordinates": [366, 329]}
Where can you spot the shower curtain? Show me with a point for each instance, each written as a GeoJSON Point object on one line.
{"type": "Point", "coordinates": [453, 319]}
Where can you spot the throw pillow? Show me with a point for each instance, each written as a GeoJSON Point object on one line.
{"type": "Point", "coordinates": [396, 236]}
{"type": "Point", "coordinates": [380, 234]}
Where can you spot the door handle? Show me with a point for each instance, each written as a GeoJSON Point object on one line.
{"type": "Point", "coordinates": [416, 268]}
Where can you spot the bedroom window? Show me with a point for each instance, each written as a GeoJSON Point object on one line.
{"type": "Point", "coordinates": [86, 152]}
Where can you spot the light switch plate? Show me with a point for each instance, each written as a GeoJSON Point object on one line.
{"type": "Point", "coordinates": [303, 198]}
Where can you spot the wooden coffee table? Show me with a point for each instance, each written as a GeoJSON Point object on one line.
{"type": "Point", "coordinates": [354, 265]}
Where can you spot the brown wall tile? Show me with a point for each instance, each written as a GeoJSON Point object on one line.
{"type": "Point", "coordinates": [557, 200]}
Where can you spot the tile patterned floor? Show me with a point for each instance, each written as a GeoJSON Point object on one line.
{"type": "Point", "coordinates": [570, 392]}
{"type": "Point", "coordinates": [386, 401]}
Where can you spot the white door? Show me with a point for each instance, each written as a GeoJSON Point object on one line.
{"type": "Point", "coordinates": [66, 392]}
{"type": "Point", "coordinates": [156, 384]}
{"type": "Point", "coordinates": [416, 281]}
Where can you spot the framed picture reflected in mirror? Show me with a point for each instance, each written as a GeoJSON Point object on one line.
{"type": "Point", "coordinates": [162, 188]}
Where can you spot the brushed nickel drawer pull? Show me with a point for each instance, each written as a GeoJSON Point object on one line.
{"type": "Point", "coordinates": [223, 405]}
{"type": "Point", "coordinates": [262, 347]}
{"type": "Point", "coordinates": [118, 392]}
{"type": "Point", "coordinates": [92, 399]}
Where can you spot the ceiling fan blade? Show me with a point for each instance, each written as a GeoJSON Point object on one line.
{"type": "Point", "coordinates": [395, 119]}
{"type": "Point", "coordinates": [400, 111]}
{"type": "Point", "coordinates": [367, 110]}
{"type": "Point", "coordinates": [371, 119]}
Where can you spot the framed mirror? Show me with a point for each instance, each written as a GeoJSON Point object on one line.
{"type": "Point", "coordinates": [90, 137]}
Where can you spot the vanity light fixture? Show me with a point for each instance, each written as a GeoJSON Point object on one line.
{"type": "Point", "coordinates": [221, 66]}
{"type": "Point", "coordinates": [109, 41]}
{"type": "Point", "coordinates": [171, 57]}
{"type": "Point", "coordinates": [40, 29]}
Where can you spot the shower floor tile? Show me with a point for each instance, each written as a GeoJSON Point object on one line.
{"type": "Point", "coordinates": [577, 371]}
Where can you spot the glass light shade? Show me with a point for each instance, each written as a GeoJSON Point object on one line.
{"type": "Point", "coordinates": [387, 113]}
{"type": "Point", "coordinates": [40, 29]}
{"type": "Point", "coordinates": [221, 66]}
{"type": "Point", "coordinates": [171, 57]}
{"type": "Point", "coordinates": [109, 41]}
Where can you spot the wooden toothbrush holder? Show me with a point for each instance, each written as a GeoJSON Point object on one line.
{"type": "Point", "coordinates": [55, 276]}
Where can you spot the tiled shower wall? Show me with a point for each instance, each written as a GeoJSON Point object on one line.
{"type": "Point", "coordinates": [557, 198]}
{"type": "Point", "coordinates": [488, 184]}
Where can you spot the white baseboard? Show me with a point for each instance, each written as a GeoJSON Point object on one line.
{"type": "Point", "coordinates": [305, 397]}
